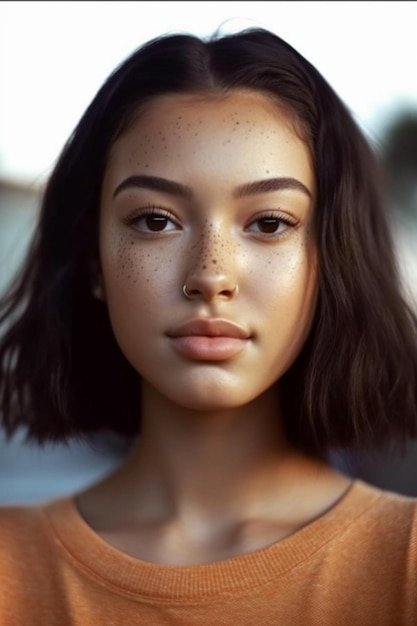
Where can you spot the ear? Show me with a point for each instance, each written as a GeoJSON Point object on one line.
{"type": "Point", "coordinates": [98, 290]}
{"type": "Point", "coordinates": [97, 283]}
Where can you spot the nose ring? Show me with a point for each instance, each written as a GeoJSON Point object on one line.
{"type": "Point", "coordinates": [186, 292]}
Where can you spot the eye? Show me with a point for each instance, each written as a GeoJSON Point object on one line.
{"type": "Point", "coordinates": [272, 224]}
{"type": "Point", "coordinates": [152, 220]}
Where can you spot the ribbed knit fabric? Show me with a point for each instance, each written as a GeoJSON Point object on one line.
{"type": "Point", "coordinates": [356, 565]}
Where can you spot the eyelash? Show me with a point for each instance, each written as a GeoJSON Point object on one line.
{"type": "Point", "coordinates": [150, 211]}
{"type": "Point", "coordinates": [153, 211]}
{"type": "Point", "coordinates": [288, 220]}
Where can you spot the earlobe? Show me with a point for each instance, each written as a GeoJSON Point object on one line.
{"type": "Point", "coordinates": [98, 290]}
{"type": "Point", "coordinates": [96, 281]}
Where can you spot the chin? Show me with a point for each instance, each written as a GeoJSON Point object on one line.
{"type": "Point", "coordinates": [207, 398]}
{"type": "Point", "coordinates": [209, 402]}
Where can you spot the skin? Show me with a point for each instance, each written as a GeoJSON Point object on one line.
{"type": "Point", "coordinates": [213, 245]}
{"type": "Point", "coordinates": [212, 475]}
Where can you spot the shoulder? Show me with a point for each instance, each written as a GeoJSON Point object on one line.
{"type": "Point", "coordinates": [16, 521]}
{"type": "Point", "coordinates": [386, 510]}
{"type": "Point", "coordinates": [362, 557]}
{"type": "Point", "coordinates": [378, 515]}
{"type": "Point", "coordinates": [31, 588]}
{"type": "Point", "coordinates": [13, 517]}
{"type": "Point", "coordinates": [377, 537]}
{"type": "Point", "coordinates": [25, 536]}
{"type": "Point", "coordinates": [22, 528]}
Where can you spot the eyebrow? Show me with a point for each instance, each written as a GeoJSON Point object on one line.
{"type": "Point", "coordinates": [173, 188]}
{"type": "Point", "coordinates": [271, 184]}
{"type": "Point", "coordinates": [157, 184]}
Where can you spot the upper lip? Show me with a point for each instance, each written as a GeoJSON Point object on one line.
{"type": "Point", "coordinates": [210, 328]}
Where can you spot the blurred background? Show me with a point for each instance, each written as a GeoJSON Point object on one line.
{"type": "Point", "coordinates": [54, 56]}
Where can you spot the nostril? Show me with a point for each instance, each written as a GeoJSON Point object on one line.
{"type": "Point", "coordinates": [229, 293]}
{"type": "Point", "coordinates": [189, 293]}
{"type": "Point", "coordinates": [232, 292]}
{"type": "Point", "coordinates": [209, 291]}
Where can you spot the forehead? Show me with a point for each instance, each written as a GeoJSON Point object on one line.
{"type": "Point", "coordinates": [181, 115]}
{"type": "Point", "coordinates": [237, 136]}
{"type": "Point", "coordinates": [231, 103]}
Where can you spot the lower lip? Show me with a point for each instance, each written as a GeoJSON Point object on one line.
{"type": "Point", "coordinates": [202, 348]}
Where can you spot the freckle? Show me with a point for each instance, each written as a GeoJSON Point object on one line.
{"type": "Point", "coordinates": [214, 261]}
{"type": "Point", "coordinates": [204, 267]}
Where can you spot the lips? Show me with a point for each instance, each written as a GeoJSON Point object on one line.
{"type": "Point", "coordinates": [210, 328]}
{"type": "Point", "coordinates": [209, 340]}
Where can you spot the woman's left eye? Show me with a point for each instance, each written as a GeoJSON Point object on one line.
{"type": "Point", "coordinates": [271, 225]}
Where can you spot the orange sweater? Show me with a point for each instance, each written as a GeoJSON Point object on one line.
{"type": "Point", "coordinates": [355, 565]}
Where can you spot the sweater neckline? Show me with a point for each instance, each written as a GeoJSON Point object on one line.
{"type": "Point", "coordinates": [128, 575]}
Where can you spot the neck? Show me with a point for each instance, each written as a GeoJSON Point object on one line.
{"type": "Point", "coordinates": [204, 457]}
{"type": "Point", "coordinates": [207, 485]}
{"type": "Point", "coordinates": [189, 464]}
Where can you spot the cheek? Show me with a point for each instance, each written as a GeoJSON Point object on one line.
{"type": "Point", "coordinates": [287, 284]}
{"type": "Point", "coordinates": [289, 264]}
{"type": "Point", "coordinates": [133, 275]}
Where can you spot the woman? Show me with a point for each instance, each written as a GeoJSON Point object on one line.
{"type": "Point", "coordinates": [213, 270]}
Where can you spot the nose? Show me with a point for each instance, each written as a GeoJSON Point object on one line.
{"type": "Point", "coordinates": [212, 272]}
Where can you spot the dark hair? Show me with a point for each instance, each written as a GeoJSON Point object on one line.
{"type": "Point", "coordinates": [355, 381]}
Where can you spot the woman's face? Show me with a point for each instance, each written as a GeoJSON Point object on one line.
{"type": "Point", "coordinates": [216, 193]}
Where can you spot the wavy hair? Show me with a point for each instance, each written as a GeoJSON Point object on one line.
{"type": "Point", "coordinates": [354, 383]}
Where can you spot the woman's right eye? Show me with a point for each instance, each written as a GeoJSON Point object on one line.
{"type": "Point", "coordinates": [153, 220]}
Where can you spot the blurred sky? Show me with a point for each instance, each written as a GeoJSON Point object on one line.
{"type": "Point", "coordinates": [55, 55]}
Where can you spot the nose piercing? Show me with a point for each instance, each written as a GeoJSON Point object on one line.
{"type": "Point", "coordinates": [188, 294]}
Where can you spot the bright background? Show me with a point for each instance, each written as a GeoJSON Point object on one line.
{"type": "Point", "coordinates": [55, 55]}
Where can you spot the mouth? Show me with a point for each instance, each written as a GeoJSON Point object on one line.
{"type": "Point", "coordinates": [209, 340]}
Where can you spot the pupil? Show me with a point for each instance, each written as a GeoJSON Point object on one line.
{"type": "Point", "coordinates": [269, 224]}
{"type": "Point", "coordinates": [156, 222]}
